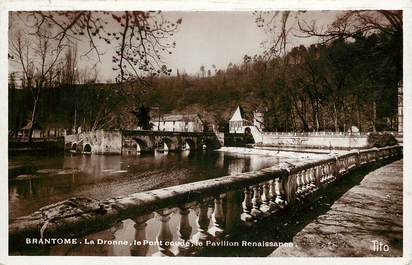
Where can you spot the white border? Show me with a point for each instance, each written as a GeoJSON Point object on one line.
{"type": "Point", "coordinates": [203, 5]}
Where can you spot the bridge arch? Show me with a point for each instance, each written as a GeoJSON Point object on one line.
{"type": "Point", "coordinates": [189, 144]}
{"type": "Point", "coordinates": [135, 146]}
{"type": "Point", "coordinates": [73, 148]}
{"type": "Point", "coordinates": [87, 148]}
{"type": "Point", "coordinates": [206, 144]}
{"type": "Point", "coordinates": [249, 138]}
{"type": "Point", "coordinates": [140, 145]}
{"type": "Point", "coordinates": [165, 144]}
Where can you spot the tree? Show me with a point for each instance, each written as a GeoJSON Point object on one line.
{"type": "Point", "coordinates": [365, 46]}
{"type": "Point", "coordinates": [354, 24]}
{"type": "Point", "coordinates": [142, 114]}
{"type": "Point", "coordinates": [139, 38]}
{"type": "Point", "coordinates": [37, 56]}
{"type": "Point", "coordinates": [202, 71]}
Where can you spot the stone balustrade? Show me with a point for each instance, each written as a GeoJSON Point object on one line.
{"type": "Point", "coordinates": [320, 133]}
{"type": "Point", "coordinates": [221, 205]}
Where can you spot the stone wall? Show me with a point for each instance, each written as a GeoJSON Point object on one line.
{"type": "Point", "coordinates": [101, 142]}
{"type": "Point", "coordinates": [316, 141]}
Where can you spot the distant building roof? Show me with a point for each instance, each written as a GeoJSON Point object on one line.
{"type": "Point", "coordinates": [237, 116]}
{"type": "Point", "coordinates": [181, 117]}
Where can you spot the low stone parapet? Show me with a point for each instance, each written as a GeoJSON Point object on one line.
{"type": "Point", "coordinates": [326, 141]}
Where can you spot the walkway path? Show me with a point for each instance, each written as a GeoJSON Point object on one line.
{"type": "Point", "coordinates": [369, 211]}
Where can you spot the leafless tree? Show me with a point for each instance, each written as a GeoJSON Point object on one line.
{"type": "Point", "coordinates": [139, 38]}
{"type": "Point", "coordinates": [351, 23]}
{"type": "Point", "coordinates": [37, 56]}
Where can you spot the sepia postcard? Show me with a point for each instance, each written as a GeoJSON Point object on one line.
{"type": "Point", "coordinates": [186, 132]}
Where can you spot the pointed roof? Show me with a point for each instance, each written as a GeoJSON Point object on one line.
{"type": "Point", "coordinates": [237, 116]}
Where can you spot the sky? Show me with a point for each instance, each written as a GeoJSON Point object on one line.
{"type": "Point", "coordinates": [210, 38]}
{"type": "Point", "coordinates": [220, 38]}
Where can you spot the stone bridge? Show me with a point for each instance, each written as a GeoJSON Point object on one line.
{"type": "Point", "coordinates": [136, 141]}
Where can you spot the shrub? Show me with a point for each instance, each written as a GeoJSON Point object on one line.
{"type": "Point", "coordinates": [381, 140]}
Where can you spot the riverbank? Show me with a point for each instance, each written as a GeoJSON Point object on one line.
{"type": "Point", "coordinates": [51, 144]}
{"type": "Point", "coordinates": [277, 152]}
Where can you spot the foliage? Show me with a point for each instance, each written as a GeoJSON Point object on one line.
{"type": "Point", "coordinates": [142, 114]}
{"type": "Point", "coordinates": [329, 86]}
{"type": "Point", "coordinates": [381, 140]}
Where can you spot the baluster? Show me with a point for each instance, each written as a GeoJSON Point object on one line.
{"type": "Point", "coordinates": [280, 199]}
{"type": "Point", "coordinates": [202, 223]}
{"type": "Point", "coordinates": [322, 173]}
{"type": "Point", "coordinates": [218, 218]}
{"type": "Point", "coordinates": [266, 206]}
{"type": "Point", "coordinates": [306, 176]}
{"type": "Point", "coordinates": [333, 171]}
{"type": "Point", "coordinates": [302, 176]}
{"type": "Point", "coordinates": [340, 165]}
{"type": "Point", "coordinates": [140, 235]}
{"type": "Point", "coordinates": [305, 182]}
{"type": "Point", "coordinates": [312, 179]}
{"type": "Point", "coordinates": [164, 235]}
{"type": "Point", "coordinates": [319, 176]}
{"type": "Point", "coordinates": [273, 195]}
{"type": "Point", "coordinates": [299, 189]}
{"type": "Point", "coordinates": [328, 174]}
{"type": "Point", "coordinates": [184, 231]}
{"type": "Point", "coordinates": [247, 205]}
{"type": "Point", "coordinates": [256, 202]}
{"type": "Point", "coordinates": [345, 164]}
{"type": "Point", "coordinates": [309, 173]}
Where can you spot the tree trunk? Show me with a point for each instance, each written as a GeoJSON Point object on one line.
{"type": "Point", "coordinates": [374, 116]}
{"type": "Point", "coordinates": [33, 117]}
{"type": "Point", "coordinates": [335, 117]}
{"type": "Point", "coordinates": [359, 117]}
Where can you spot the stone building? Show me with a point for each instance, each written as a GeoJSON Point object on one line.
{"type": "Point", "coordinates": [178, 123]}
{"type": "Point", "coordinates": [237, 121]}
